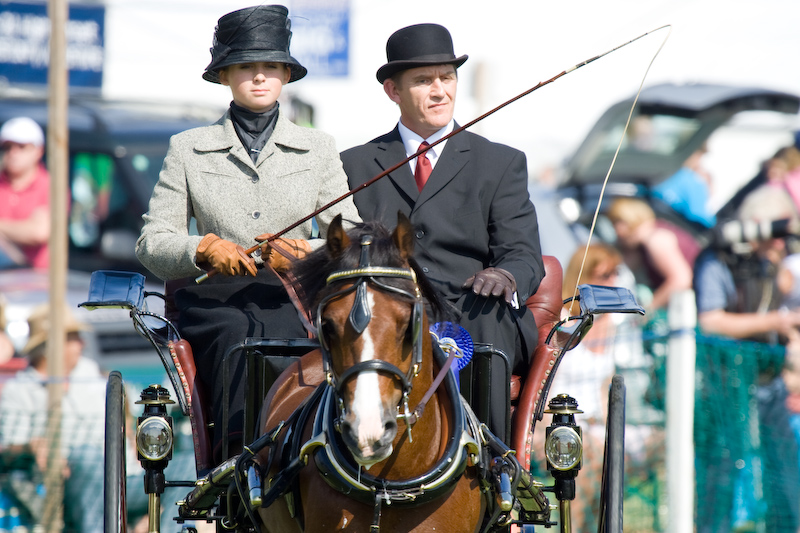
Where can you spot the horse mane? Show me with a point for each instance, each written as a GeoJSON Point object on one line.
{"type": "Point", "coordinates": [312, 271]}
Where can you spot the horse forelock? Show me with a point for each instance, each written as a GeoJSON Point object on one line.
{"type": "Point", "coordinates": [312, 272]}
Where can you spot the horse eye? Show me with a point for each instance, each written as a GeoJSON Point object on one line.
{"type": "Point", "coordinates": [327, 330]}
{"type": "Point", "coordinates": [408, 334]}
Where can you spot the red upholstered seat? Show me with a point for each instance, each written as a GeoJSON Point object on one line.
{"type": "Point", "coordinates": [199, 401]}
{"type": "Point", "coordinates": [545, 305]}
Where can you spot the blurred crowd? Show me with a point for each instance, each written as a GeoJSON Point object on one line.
{"type": "Point", "coordinates": [745, 277]}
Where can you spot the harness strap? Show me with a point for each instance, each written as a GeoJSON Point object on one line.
{"type": "Point", "coordinates": [417, 413]}
{"type": "Point", "coordinates": [375, 527]}
{"type": "Point", "coordinates": [295, 292]}
{"type": "Point", "coordinates": [294, 424]}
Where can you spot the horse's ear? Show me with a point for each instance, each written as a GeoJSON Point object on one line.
{"type": "Point", "coordinates": [337, 241]}
{"type": "Point", "coordinates": [403, 236]}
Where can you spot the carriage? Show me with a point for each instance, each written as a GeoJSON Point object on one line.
{"type": "Point", "coordinates": [432, 464]}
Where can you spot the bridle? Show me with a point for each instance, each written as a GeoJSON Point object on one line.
{"type": "Point", "coordinates": [360, 316]}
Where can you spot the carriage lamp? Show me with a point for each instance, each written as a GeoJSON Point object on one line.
{"type": "Point", "coordinates": [564, 445]}
{"type": "Point", "coordinates": [563, 448]}
{"type": "Point", "coordinates": [154, 436]}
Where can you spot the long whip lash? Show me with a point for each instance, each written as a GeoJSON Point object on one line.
{"type": "Point", "coordinates": [422, 150]}
{"type": "Point", "coordinates": [614, 159]}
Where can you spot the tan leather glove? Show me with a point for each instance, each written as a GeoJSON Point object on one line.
{"type": "Point", "coordinates": [297, 248]}
{"type": "Point", "coordinates": [224, 256]}
{"type": "Point", "coordinates": [493, 281]}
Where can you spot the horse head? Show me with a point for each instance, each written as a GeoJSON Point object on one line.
{"type": "Point", "coordinates": [370, 321]}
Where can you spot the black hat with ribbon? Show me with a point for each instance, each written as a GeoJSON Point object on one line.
{"type": "Point", "coordinates": [419, 45]}
{"type": "Point", "coordinates": [250, 35]}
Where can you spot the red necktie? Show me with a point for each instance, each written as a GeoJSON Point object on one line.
{"type": "Point", "coordinates": [423, 169]}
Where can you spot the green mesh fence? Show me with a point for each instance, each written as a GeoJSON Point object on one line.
{"type": "Point", "coordinates": [746, 471]}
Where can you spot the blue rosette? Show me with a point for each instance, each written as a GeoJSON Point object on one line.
{"type": "Point", "coordinates": [450, 337]}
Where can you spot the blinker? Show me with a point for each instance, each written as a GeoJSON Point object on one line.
{"type": "Point", "coordinates": [360, 313]}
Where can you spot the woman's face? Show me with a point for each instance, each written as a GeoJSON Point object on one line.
{"type": "Point", "coordinates": [625, 233]}
{"type": "Point", "coordinates": [604, 273]}
{"type": "Point", "coordinates": [255, 86]}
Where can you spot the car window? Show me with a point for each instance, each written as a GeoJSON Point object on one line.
{"type": "Point", "coordinates": [651, 134]}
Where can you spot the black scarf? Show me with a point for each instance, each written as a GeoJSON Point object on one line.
{"type": "Point", "coordinates": [254, 129]}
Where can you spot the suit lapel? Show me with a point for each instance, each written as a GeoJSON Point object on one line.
{"type": "Point", "coordinates": [391, 152]}
{"type": "Point", "coordinates": [449, 164]}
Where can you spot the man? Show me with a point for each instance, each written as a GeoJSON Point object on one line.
{"type": "Point", "coordinates": [24, 418]}
{"type": "Point", "coordinates": [476, 233]}
{"type": "Point", "coordinates": [738, 297]}
{"type": "Point", "coordinates": [25, 190]}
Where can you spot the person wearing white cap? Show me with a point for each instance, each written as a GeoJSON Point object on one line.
{"type": "Point", "coordinates": [25, 190]}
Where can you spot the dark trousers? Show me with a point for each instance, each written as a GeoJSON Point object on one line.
{"type": "Point", "coordinates": [512, 331]}
{"type": "Point", "coordinates": [220, 313]}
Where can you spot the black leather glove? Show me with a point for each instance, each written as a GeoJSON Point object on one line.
{"type": "Point", "coordinates": [494, 282]}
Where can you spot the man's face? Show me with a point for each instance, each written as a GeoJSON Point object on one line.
{"type": "Point", "coordinates": [18, 159]}
{"type": "Point", "coordinates": [426, 96]}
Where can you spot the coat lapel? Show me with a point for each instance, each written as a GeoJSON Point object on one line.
{"type": "Point", "coordinates": [450, 162]}
{"type": "Point", "coordinates": [283, 136]}
{"type": "Point", "coordinates": [390, 153]}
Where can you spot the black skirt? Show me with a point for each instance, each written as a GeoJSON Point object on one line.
{"type": "Point", "coordinates": [220, 313]}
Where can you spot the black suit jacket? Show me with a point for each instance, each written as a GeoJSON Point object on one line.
{"type": "Point", "coordinates": [474, 212]}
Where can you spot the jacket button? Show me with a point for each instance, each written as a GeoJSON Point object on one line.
{"type": "Point", "coordinates": [254, 179]}
{"type": "Point", "coordinates": [419, 234]}
{"type": "Point", "coordinates": [426, 269]}
{"type": "Point", "coordinates": [256, 214]}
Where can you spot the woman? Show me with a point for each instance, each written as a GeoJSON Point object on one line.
{"type": "Point", "coordinates": [660, 254]}
{"type": "Point", "coordinates": [251, 172]}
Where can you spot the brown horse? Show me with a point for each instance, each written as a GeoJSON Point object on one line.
{"type": "Point", "coordinates": [383, 453]}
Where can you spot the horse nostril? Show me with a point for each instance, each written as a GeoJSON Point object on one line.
{"type": "Point", "coordinates": [390, 426]}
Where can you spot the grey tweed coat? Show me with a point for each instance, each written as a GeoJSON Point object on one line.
{"type": "Point", "coordinates": [209, 176]}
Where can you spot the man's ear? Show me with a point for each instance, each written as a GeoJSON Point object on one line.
{"type": "Point", "coordinates": [391, 90]}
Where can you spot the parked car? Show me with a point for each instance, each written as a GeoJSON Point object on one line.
{"type": "Point", "coordinates": [741, 127]}
{"type": "Point", "coordinates": [116, 149]}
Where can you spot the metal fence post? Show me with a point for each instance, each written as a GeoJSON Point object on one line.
{"type": "Point", "coordinates": [682, 317]}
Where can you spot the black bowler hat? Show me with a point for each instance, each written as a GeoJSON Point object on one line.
{"type": "Point", "coordinates": [253, 34]}
{"type": "Point", "coordinates": [418, 46]}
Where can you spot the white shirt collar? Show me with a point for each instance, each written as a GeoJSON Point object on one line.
{"type": "Point", "coordinates": [411, 142]}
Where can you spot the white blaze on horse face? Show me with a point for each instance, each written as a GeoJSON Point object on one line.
{"type": "Point", "coordinates": [367, 406]}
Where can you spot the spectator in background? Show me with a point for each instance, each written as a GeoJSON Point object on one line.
{"type": "Point", "coordinates": [737, 297]}
{"type": "Point", "coordinates": [659, 254]}
{"type": "Point", "coordinates": [25, 194]}
{"type": "Point", "coordinates": [23, 422]}
{"type": "Point", "coordinates": [7, 351]}
{"type": "Point", "coordinates": [784, 169]}
{"type": "Point", "coordinates": [689, 189]}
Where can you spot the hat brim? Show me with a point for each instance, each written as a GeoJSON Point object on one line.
{"type": "Point", "coordinates": [390, 69]}
{"type": "Point", "coordinates": [238, 57]}
{"type": "Point", "coordinates": [40, 337]}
